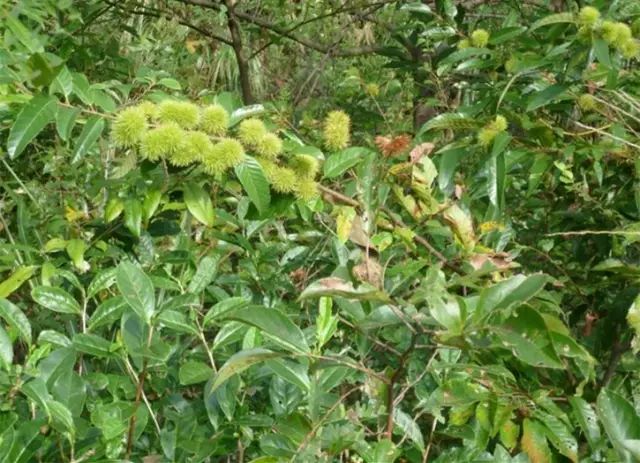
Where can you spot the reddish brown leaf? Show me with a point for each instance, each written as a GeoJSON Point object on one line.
{"type": "Point", "coordinates": [392, 146]}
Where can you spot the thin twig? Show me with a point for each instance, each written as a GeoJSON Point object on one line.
{"type": "Point", "coordinates": [396, 221]}
{"type": "Point", "coordinates": [606, 134]}
{"type": "Point", "coordinates": [425, 457]}
{"type": "Point", "coordinates": [394, 378]}
{"type": "Point", "coordinates": [595, 232]}
{"type": "Point", "coordinates": [321, 421]}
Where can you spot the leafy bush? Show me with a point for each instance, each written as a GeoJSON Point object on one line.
{"type": "Point", "coordinates": [186, 277]}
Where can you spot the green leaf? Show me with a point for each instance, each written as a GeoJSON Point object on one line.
{"type": "Point", "coordinates": [453, 121]}
{"type": "Point", "coordinates": [113, 209]}
{"type": "Point", "coordinates": [89, 135]}
{"type": "Point", "coordinates": [170, 83]}
{"type": "Point", "coordinates": [341, 161]}
{"type": "Point", "coordinates": [293, 372]}
{"type": "Point", "coordinates": [222, 307]}
{"type": "Point", "coordinates": [56, 299]}
{"type": "Point", "coordinates": [31, 119]}
{"type": "Point", "coordinates": [255, 183]}
{"type": "Point", "coordinates": [621, 423]}
{"type": "Point", "coordinates": [17, 278]}
{"type": "Point", "coordinates": [204, 274]}
{"type": "Point", "coordinates": [57, 364]}
{"type": "Point", "coordinates": [54, 338]}
{"type": "Point", "coordinates": [496, 172]}
{"type": "Point", "coordinates": [559, 435]}
{"type": "Point", "coordinates": [587, 419]}
{"type": "Point", "coordinates": [239, 362]}
{"type": "Point", "coordinates": [239, 114]}
{"type": "Point", "coordinates": [92, 345]}
{"type": "Point", "coordinates": [36, 390]}
{"type": "Point", "coordinates": [133, 216]}
{"type": "Point", "coordinates": [24, 35]}
{"type": "Point", "coordinates": [177, 321]}
{"type": "Point", "coordinates": [107, 312]}
{"type": "Point", "coordinates": [199, 203]}
{"type": "Point", "coordinates": [601, 51]}
{"type": "Point", "coordinates": [137, 289]}
{"type": "Point", "coordinates": [63, 83]}
{"type": "Point", "coordinates": [61, 417]}
{"type": "Point", "coordinates": [416, 7]}
{"type": "Point", "coordinates": [104, 279]}
{"type": "Point", "coordinates": [527, 336]}
{"type": "Point", "coordinates": [150, 204]}
{"type": "Point", "coordinates": [557, 18]}
{"type": "Point", "coordinates": [326, 322]}
{"type": "Point", "coordinates": [462, 55]}
{"type": "Point", "coordinates": [75, 249]}
{"type": "Point", "coordinates": [194, 372]}
{"type": "Point", "coordinates": [449, 160]}
{"type": "Point", "coordinates": [65, 120]}
{"type": "Point", "coordinates": [6, 348]}
{"type": "Point", "coordinates": [70, 389]}
{"type": "Point", "coordinates": [16, 319]}
{"type": "Point", "coordinates": [334, 286]}
{"type": "Point", "coordinates": [408, 427]}
{"type": "Point", "coordinates": [543, 97]}
{"type": "Point", "coordinates": [273, 323]}
{"type": "Point", "coordinates": [516, 290]}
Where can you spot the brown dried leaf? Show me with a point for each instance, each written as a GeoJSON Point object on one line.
{"type": "Point", "coordinates": [418, 152]}
{"type": "Point", "coordinates": [393, 146]}
{"type": "Point", "coordinates": [369, 271]}
{"type": "Point", "coordinates": [500, 260]}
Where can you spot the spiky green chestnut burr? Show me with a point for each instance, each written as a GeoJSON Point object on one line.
{"type": "Point", "coordinates": [129, 127]}
{"type": "Point", "coordinates": [251, 131]}
{"type": "Point", "coordinates": [337, 130]}
{"type": "Point", "coordinates": [162, 141]}
{"type": "Point", "coordinates": [282, 179]}
{"type": "Point", "coordinates": [150, 110]}
{"type": "Point", "coordinates": [225, 154]}
{"type": "Point", "coordinates": [480, 38]}
{"type": "Point", "coordinates": [587, 102]}
{"type": "Point", "coordinates": [269, 146]}
{"type": "Point", "coordinates": [491, 130]}
{"type": "Point", "coordinates": [306, 190]}
{"type": "Point", "coordinates": [305, 166]}
{"type": "Point", "coordinates": [193, 147]}
{"type": "Point", "coordinates": [588, 16]}
{"type": "Point", "coordinates": [183, 113]}
{"type": "Point", "coordinates": [214, 120]}
{"type": "Point", "coordinates": [630, 49]}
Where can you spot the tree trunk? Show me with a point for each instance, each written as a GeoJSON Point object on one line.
{"type": "Point", "coordinates": [243, 64]}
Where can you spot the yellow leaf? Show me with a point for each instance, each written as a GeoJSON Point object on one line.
{"type": "Point", "coordinates": [191, 45]}
{"type": "Point", "coordinates": [461, 225]}
{"type": "Point", "coordinates": [344, 222]}
{"type": "Point", "coordinates": [73, 215]}
{"type": "Point", "coordinates": [534, 442]}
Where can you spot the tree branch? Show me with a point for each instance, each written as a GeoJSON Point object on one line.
{"type": "Point", "coordinates": [308, 43]}
{"type": "Point", "coordinates": [170, 16]}
{"type": "Point", "coordinates": [341, 10]}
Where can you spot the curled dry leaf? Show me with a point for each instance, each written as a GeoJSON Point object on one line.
{"type": "Point", "coordinates": [500, 260]}
{"type": "Point", "coordinates": [393, 146]}
{"type": "Point", "coordinates": [369, 271]}
{"type": "Point", "coordinates": [418, 152]}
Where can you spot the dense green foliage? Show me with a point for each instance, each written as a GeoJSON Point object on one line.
{"type": "Point", "coordinates": [271, 231]}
